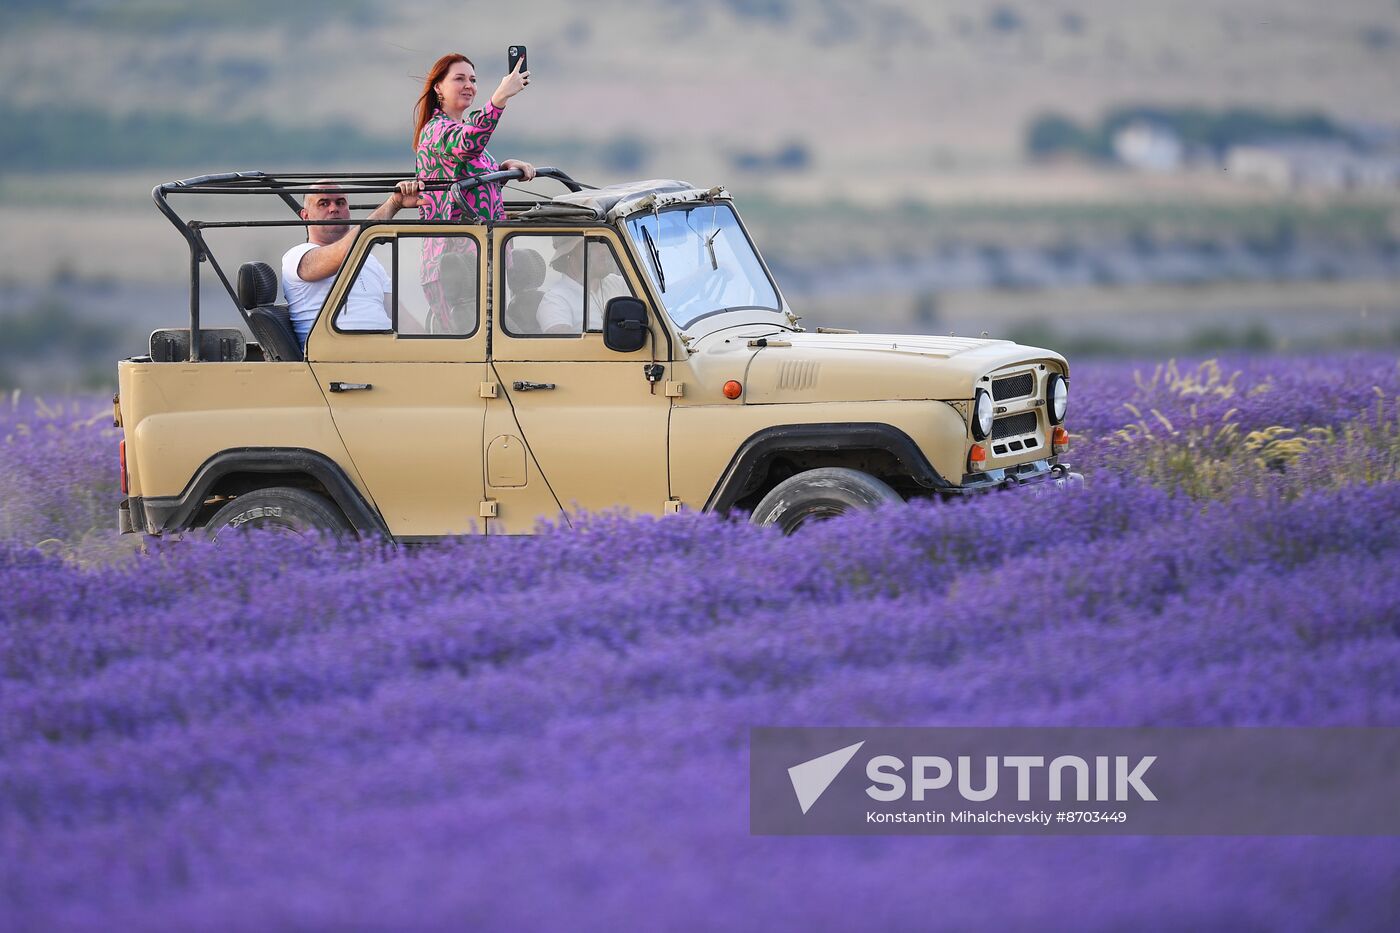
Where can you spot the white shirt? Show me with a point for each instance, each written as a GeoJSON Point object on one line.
{"type": "Point", "coordinates": [562, 305]}
{"type": "Point", "coordinates": [364, 306]}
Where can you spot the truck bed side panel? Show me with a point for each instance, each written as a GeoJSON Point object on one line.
{"type": "Point", "coordinates": [177, 415]}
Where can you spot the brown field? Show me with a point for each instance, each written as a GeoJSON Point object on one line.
{"type": "Point", "coordinates": [913, 116]}
{"type": "Point", "coordinates": [868, 84]}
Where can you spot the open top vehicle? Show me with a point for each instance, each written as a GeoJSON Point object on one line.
{"type": "Point", "coordinates": [686, 382]}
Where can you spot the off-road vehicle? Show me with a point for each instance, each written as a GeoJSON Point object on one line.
{"type": "Point", "coordinates": [618, 347]}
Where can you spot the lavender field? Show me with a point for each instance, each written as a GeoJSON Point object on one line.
{"type": "Point", "coordinates": [552, 732]}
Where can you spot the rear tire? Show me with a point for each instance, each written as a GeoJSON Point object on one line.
{"type": "Point", "coordinates": [818, 494]}
{"type": "Point", "coordinates": [283, 509]}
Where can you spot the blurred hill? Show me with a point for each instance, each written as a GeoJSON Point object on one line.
{"type": "Point", "coordinates": [856, 82]}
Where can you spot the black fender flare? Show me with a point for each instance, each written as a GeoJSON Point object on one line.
{"type": "Point", "coordinates": [755, 453]}
{"type": "Point", "coordinates": [175, 513]}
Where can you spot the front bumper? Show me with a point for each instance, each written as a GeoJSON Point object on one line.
{"type": "Point", "coordinates": [1039, 473]}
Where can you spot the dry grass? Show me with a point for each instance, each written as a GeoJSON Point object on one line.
{"type": "Point", "coordinates": [864, 81]}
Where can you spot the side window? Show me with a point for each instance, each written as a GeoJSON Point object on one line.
{"type": "Point", "coordinates": [414, 286]}
{"type": "Point", "coordinates": [558, 285]}
{"type": "Point", "coordinates": [368, 305]}
{"type": "Point", "coordinates": [438, 280]}
{"type": "Point", "coordinates": [605, 281]}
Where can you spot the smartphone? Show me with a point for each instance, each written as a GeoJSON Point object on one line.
{"type": "Point", "coordinates": [515, 54]}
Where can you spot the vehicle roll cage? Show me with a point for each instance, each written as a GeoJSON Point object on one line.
{"type": "Point", "coordinates": [289, 186]}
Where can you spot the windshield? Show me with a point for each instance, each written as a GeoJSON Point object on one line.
{"type": "Point", "coordinates": [701, 262]}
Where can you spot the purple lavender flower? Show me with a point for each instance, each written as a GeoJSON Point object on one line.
{"type": "Point", "coordinates": [551, 731]}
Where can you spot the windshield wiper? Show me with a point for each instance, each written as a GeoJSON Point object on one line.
{"type": "Point", "coordinates": [710, 245]}
{"type": "Point", "coordinates": [655, 258]}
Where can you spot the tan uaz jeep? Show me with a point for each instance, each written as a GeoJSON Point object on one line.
{"type": "Point", "coordinates": [615, 347]}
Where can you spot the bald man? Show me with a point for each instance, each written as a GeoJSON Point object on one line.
{"type": "Point", "coordinates": [309, 268]}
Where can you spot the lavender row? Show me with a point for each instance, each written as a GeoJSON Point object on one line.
{"type": "Point", "coordinates": [1303, 653]}
{"type": "Point", "coordinates": [58, 460]}
{"type": "Point", "coordinates": [1297, 391]}
{"type": "Point", "coordinates": [58, 469]}
{"type": "Point", "coordinates": [553, 660]}
{"type": "Point", "coordinates": [592, 818]}
{"type": "Point", "coordinates": [63, 621]}
{"type": "Point", "coordinates": [1081, 575]}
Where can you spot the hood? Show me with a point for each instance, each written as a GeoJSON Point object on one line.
{"type": "Point", "coordinates": [798, 367]}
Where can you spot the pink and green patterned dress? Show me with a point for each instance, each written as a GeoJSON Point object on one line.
{"type": "Point", "coordinates": [449, 150]}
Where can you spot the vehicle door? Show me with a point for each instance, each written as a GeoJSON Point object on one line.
{"type": "Point", "coordinates": [405, 386]}
{"type": "Point", "coordinates": [591, 418]}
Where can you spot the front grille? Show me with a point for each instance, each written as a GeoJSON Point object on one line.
{"type": "Point", "coordinates": [1013, 386]}
{"type": "Point", "coordinates": [1023, 423]}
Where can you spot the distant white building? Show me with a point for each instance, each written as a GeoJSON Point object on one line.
{"type": "Point", "coordinates": [1311, 164]}
{"type": "Point", "coordinates": [1377, 171]}
{"type": "Point", "coordinates": [1149, 147]}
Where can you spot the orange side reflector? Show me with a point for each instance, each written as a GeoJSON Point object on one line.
{"type": "Point", "coordinates": [121, 455]}
{"type": "Point", "coordinates": [978, 454]}
{"type": "Point", "coordinates": [1061, 439]}
{"type": "Point", "coordinates": [733, 389]}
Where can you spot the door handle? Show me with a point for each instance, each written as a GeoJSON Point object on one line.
{"type": "Point", "coordinates": [521, 386]}
{"type": "Point", "coordinates": [349, 386]}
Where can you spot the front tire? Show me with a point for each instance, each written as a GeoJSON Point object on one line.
{"type": "Point", "coordinates": [282, 509]}
{"type": "Point", "coordinates": [818, 494]}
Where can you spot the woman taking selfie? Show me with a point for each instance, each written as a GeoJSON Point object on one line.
{"type": "Point", "coordinates": [451, 145]}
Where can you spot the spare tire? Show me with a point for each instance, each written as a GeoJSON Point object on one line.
{"type": "Point", "coordinates": [283, 509]}
{"type": "Point", "coordinates": [818, 494]}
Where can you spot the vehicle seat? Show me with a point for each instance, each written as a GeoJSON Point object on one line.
{"type": "Point", "coordinates": [216, 345]}
{"type": "Point", "coordinates": [271, 322]}
{"type": "Point", "coordinates": [524, 275]}
{"type": "Point", "coordinates": [457, 273]}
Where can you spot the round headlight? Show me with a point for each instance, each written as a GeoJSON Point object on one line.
{"type": "Point", "coordinates": [981, 414]}
{"type": "Point", "coordinates": [1057, 394]}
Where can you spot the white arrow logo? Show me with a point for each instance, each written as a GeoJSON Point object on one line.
{"type": "Point", "coordinates": [811, 778]}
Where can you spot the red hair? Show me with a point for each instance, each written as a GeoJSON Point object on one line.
{"type": "Point", "coordinates": [427, 101]}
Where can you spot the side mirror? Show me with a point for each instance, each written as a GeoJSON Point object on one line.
{"type": "Point", "coordinates": [625, 324]}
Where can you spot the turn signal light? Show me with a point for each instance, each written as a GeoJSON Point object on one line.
{"type": "Point", "coordinates": [121, 456]}
{"type": "Point", "coordinates": [732, 389]}
{"type": "Point", "coordinates": [977, 456]}
{"type": "Point", "coordinates": [1060, 440]}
